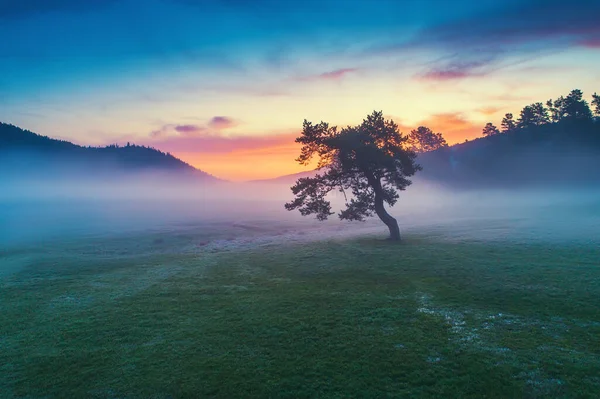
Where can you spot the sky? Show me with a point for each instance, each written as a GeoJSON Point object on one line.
{"type": "Point", "coordinates": [226, 84]}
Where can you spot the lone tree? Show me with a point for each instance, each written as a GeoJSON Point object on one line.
{"type": "Point", "coordinates": [423, 139]}
{"type": "Point", "coordinates": [370, 160]}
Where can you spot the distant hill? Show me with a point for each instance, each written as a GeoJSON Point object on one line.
{"type": "Point", "coordinates": [24, 153]}
{"type": "Point", "coordinates": [552, 154]}
{"type": "Point", "coordinates": [561, 153]}
{"type": "Point", "coordinates": [287, 178]}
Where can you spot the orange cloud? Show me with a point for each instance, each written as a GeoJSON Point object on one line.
{"type": "Point", "coordinates": [487, 111]}
{"type": "Point", "coordinates": [454, 126]}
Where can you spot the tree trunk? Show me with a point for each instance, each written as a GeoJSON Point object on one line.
{"type": "Point", "coordinates": [386, 218]}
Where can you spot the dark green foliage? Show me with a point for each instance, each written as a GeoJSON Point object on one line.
{"type": "Point", "coordinates": [596, 104]}
{"type": "Point", "coordinates": [508, 123]}
{"type": "Point", "coordinates": [572, 107]}
{"type": "Point", "coordinates": [423, 139]}
{"type": "Point", "coordinates": [533, 115]}
{"type": "Point", "coordinates": [369, 161]}
{"type": "Point", "coordinates": [490, 130]}
{"type": "Point", "coordinates": [554, 109]}
{"type": "Point", "coordinates": [540, 113]}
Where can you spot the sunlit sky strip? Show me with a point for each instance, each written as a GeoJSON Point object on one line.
{"type": "Point", "coordinates": [159, 72]}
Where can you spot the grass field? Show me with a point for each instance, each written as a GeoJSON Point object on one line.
{"type": "Point", "coordinates": [177, 315]}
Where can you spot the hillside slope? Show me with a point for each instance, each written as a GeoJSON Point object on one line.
{"type": "Point", "coordinates": [26, 153]}
{"type": "Point", "coordinates": [561, 153]}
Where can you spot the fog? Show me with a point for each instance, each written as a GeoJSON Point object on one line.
{"type": "Point", "coordinates": [34, 211]}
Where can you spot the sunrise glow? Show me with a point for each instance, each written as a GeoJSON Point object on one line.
{"type": "Point", "coordinates": [226, 86]}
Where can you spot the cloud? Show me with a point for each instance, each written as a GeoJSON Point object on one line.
{"type": "Point", "coordinates": [337, 74]}
{"type": "Point", "coordinates": [221, 123]}
{"type": "Point", "coordinates": [270, 155]}
{"type": "Point", "coordinates": [523, 30]}
{"type": "Point", "coordinates": [487, 111]}
{"type": "Point", "coordinates": [527, 22]}
{"type": "Point", "coordinates": [189, 129]}
{"type": "Point", "coordinates": [334, 75]}
{"type": "Point", "coordinates": [25, 8]}
{"type": "Point", "coordinates": [177, 130]}
{"type": "Point", "coordinates": [456, 70]}
{"type": "Point", "coordinates": [215, 124]}
{"type": "Point", "coordinates": [455, 127]}
{"type": "Point", "coordinates": [591, 43]}
{"type": "Point", "coordinates": [242, 157]}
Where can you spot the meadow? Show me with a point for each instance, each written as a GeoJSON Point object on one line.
{"type": "Point", "coordinates": [462, 308]}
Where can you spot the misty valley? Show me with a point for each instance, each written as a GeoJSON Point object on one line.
{"type": "Point", "coordinates": [299, 199]}
{"type": "Point", "coordinates": [139, 283]}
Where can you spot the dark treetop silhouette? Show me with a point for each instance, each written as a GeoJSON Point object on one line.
{"type": "Point", "coordinates": [423, 139]}
{"type": "Point", "coordinates": [371, 160]}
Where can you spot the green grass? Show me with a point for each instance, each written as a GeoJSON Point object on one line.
{"type": "Point", "coordinates": [358, 318]}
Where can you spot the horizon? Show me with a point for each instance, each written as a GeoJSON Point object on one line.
{"type": "Point", "coordinates": [207, 82]}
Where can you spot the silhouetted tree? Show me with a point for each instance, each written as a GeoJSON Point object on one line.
{"type": "Point", "coordinates": [490, 130]}
{"type": "Point", "coordinates": [508, 123]}
{"type": "Point", "coordinates": [540, 113]}
{"type": "Point", "coordinates": [596, 104]}
{"type": "Point", "coordinates": [423, 139]}
{"type": "Point", "coordinates": [575, 107]}
{"type": "Point", "coordinates": [571, 107]}
{"type": "Point", "coordinates": [554, 108]}
{"type": "Point", "coordinates": [371, 160]}
{"type": "Point", "coordinates": [527, 118]}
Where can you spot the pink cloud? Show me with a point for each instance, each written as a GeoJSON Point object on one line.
{"type": "Point", "coordinates": [216, 123]}
{"type": "Point", "coordinates": [591, 43]}
{"type": "Point", "coordinates": [221, 122]}
{"type": "Point", "coordinates": [337, 74]}
{"type": "Point", "coordinates": [189, 129]}
{"type": "Point", "coordinates": [455, 71]}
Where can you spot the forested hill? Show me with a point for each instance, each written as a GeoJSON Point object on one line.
{"type": "Point", "coordinates": [560, 153]}
{"type": "Point", "coordinates": [26, 153]}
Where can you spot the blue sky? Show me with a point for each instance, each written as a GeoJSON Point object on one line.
{"type": "Point", "coordinates": [159, 72]}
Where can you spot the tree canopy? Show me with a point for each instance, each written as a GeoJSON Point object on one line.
{"type": "Point", "coordinates": [569, 109]}
{"type": "Point", "coordinates": [423, 139]}
{"type": "Point", "coordinates": [508, 123]}
{"type": "Point", "coordinates": [369, 163]}
{"type": "Point", "coordinates": [490, 130]}
{"type": "Point", "coordinates": [596, 104]}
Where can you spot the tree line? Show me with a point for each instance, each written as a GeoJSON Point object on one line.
{"type": "Point", "coordinates": [570, 108]}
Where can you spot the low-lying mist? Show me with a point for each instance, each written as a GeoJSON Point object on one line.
{"type": "Point", "coordinates": [37, 210]}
